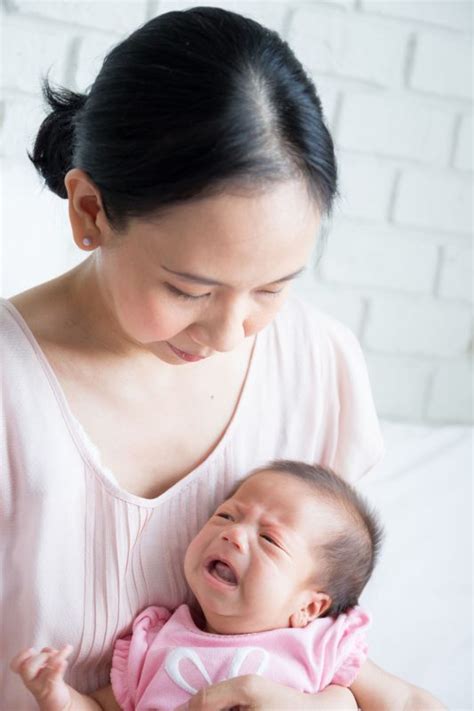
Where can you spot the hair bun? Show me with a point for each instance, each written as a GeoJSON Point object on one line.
{"type": "Point", "coordinates": [54, 145]}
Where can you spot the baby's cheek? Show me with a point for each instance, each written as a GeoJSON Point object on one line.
{"type": "Point", "coordinates": [194, 552]}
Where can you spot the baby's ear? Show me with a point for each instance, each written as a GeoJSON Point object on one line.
{"type": "Point", "coordinates": [313, 605]}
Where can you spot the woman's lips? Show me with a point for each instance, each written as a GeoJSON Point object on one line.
{"type": "Point", "coordinates": [185, 356]}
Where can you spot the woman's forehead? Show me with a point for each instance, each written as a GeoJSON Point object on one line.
{"type": "Point", "coordinates": [238, 216]}
{"type": "Point", "coordinates": [275, 230]}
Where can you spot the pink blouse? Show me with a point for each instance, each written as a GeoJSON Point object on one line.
{"type": "Point", "coordinates": [81, 557]}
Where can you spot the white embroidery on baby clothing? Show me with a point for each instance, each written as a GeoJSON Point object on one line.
{"type": "Point", "coordinates": [240, 655]}
{"type": "Point", "coordinates": [172, 661]}
{"type": "Point", "coordinates": [174, 658]}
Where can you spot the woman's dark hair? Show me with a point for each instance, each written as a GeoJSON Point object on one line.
{"type": "Point", "coordinates": [350, 554]}
{"type": "Point", "coordinates": [190, 103]}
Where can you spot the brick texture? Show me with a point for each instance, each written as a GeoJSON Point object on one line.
{"type": "Point", "coordinates": [452, 393]}
{"type": "Point", "coordinates": [395, 127]}
{"type": "Point", "coordinates": [438, 201]}
{"type": "Point", "coordinates": [418, 326]}
{"type": "Point", "coordinates": [443, 65]}
{"type": "Point", "coordinates": [337, 43]}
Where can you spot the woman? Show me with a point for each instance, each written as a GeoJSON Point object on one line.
{"type": "Point", "coordinates": [143, 383]}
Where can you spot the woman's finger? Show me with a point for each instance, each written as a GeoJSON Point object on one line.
{"type": "Point", "coordinates": [239, 691]}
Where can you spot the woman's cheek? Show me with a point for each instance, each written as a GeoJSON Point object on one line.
{"type": "Point", "coordinates": [148, 320]}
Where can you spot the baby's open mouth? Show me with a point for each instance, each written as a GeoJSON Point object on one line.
{"type": "Point", "coordinates": [222, 571]}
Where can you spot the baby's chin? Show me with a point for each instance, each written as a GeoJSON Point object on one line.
{"type": "Point", "coordinates": [230, 622]}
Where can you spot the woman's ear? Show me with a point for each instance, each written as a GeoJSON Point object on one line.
{"type": "Point", "coordinates": [86, 211]}
{"type": "Point", "coordinates": [313, 605]}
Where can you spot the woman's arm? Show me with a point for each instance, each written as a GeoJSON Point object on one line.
{"type": "Point", "coordinates": [259, 694]}
{"type": "Point", "coordinates": [377, 690]}
{"type": "Point", "coordinates": [374, 690]}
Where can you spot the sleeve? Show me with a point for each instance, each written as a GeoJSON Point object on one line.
{"type": "Point", "coordinates": [130, 653]}
{"type": "Point", "coordinates": [354, 441]}
{"type": "Point", "coordinates": [352, 647]}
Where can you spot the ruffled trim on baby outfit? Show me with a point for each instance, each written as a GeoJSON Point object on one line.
{"type": "Point", "coordinates": [355, 653]}
{"type": "Point", "coordinates": [125, 672]}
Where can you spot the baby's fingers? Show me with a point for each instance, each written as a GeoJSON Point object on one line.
{"type": "Point", "coordinates": [56, 667]}
{"type": "Point", "coordinates": [31, 665]}
{"type": "Point", "coordinates": [19, 658]}
{"type": "Point", "coordinates": [49, 663]}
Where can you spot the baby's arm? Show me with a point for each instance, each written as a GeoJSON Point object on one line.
{"type": "Point", "coordinates": [377, 690]}
{"type": "Point", "coordinates": [42, 673]}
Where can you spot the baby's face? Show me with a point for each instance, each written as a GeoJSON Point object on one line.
{"type": "Point", "coordinates": [254, 564]}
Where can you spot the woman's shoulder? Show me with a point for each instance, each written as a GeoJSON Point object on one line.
{"type": "Point", "coordinates": [39, 310]}
{"type": "Point", "coordinates": [13, 329]}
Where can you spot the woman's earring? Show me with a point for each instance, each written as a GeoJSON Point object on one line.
{"type": "Point", "coordinates": [86, 241]}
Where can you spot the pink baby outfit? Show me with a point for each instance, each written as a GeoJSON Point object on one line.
{"type": "Point", "coordinates": [81, 556]}
{"type": "Point", "coordinates": [167, 659]}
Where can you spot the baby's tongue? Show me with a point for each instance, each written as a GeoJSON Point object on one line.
{"type": "Point", "coordinates": [224, 572]}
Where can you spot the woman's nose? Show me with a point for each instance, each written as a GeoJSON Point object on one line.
{"type": "Point", "coordinates": [225, 329]}
{"type": "Point", "coordinates": [235, 535]}
{"type": "Point", "coordinates": [226, 336]}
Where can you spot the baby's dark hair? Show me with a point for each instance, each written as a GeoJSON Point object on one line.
{"type": "Point", "coordinates": [351, 554]}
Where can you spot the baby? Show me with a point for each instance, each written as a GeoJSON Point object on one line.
{"type": "Point", "coordinates": [277, 572]}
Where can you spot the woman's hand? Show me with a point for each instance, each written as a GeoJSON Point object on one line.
{"type": "Point", "coordinates": [260, 694]}
{"type": "Point", "coordinates": [42, 673]}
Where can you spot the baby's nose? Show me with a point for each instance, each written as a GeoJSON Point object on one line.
{"type": "Point", "coordinates": [235, 535]}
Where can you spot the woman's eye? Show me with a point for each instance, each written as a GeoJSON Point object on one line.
{"type": "Point", "coordinates": [270, 293]}
{"type": "Point", "coordinates": [269, 539]}
{"type": "Point", "coordinates": [182, 294]}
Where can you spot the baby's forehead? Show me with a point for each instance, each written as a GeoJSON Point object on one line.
{"type": "Point", "coordinates": [260, 482]}
{"type": "Point", "coordinates": [286, 496]}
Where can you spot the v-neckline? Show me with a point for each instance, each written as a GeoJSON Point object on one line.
{"type": "Point", "coordinates": [91, 453]}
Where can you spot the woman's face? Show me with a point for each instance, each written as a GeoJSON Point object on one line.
{"type": "Point", "coordinates": [208, 273]}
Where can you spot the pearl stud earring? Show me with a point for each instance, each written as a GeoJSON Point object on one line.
{"type": "Point", "coordinates": [86, 241]}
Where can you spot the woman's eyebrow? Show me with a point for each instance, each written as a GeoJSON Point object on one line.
{"type": "Point", "coordinates": [213, 282]}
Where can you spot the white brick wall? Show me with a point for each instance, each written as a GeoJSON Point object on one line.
{"type": "Point", "coordinates": [122, 16]}
{"type": "Point", "coordinates": [451, 14]}
{"type": "Point", "coordinates": [399, 126]}
{"type": "Point", "coordinates": [456, 274]}
{"type": "Point", "coordinates": [361, 256]}
{"type": "Point", "coordinates": [452, 393]}
{"type": "Point", "coordinates": [464, 148]}
{"type": "Point", "coordinates": [437, 200]}
{"type": "Point", "coordinates": [395, 79]}
{"type": "Point", "coordinates": [394, 327]}
{"type": "Point", "coordinates": [334, 42]}
{"type": "Point", "coordinates": [442, 65]}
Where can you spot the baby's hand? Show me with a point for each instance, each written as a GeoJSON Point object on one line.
{"type": "Point", "coordinates": [42, 673]}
